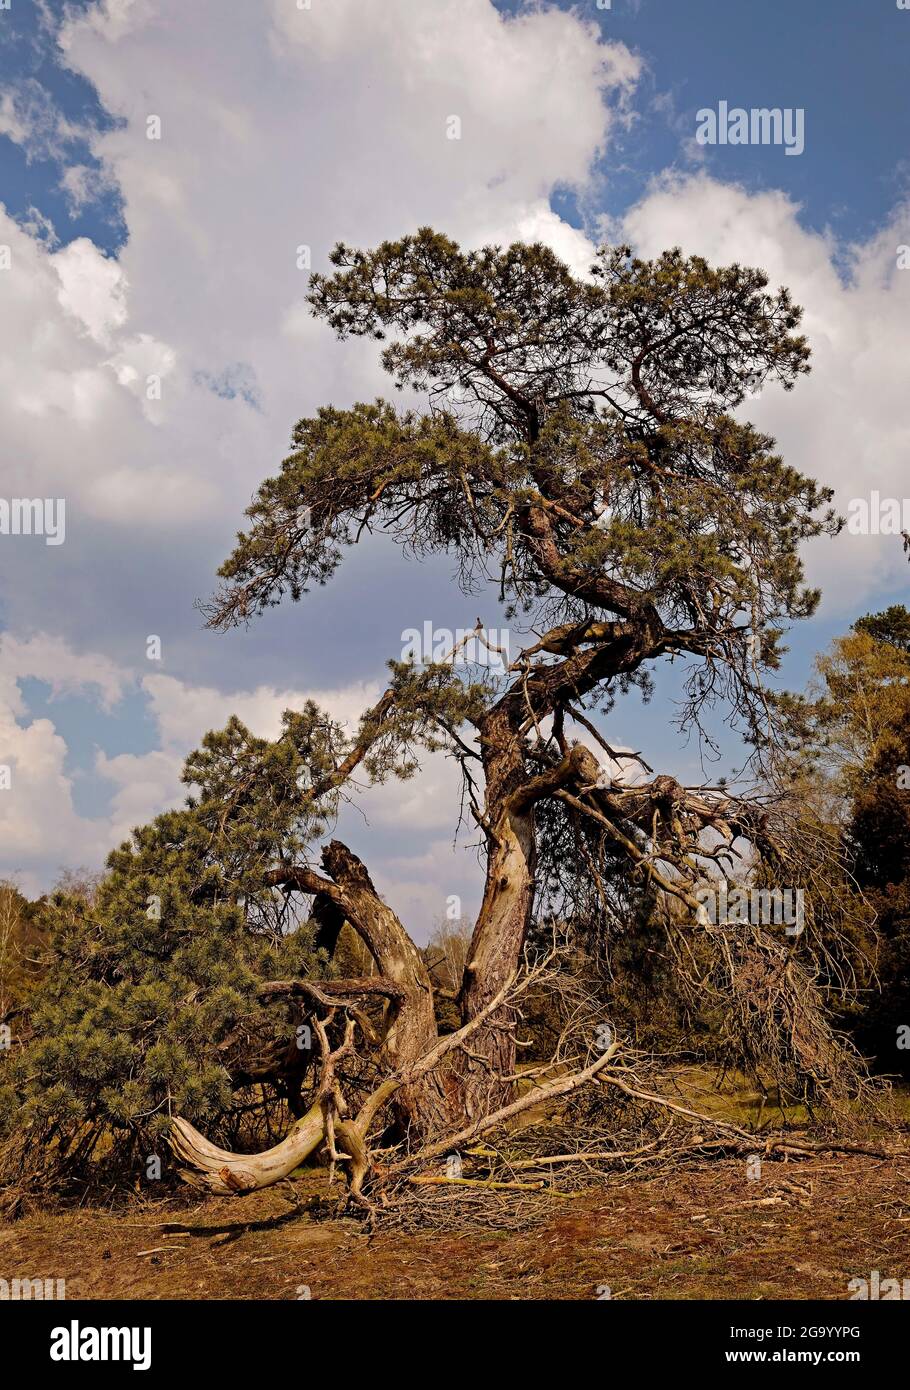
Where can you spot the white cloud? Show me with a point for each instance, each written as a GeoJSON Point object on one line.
{"type": "Point", "coordinates": [113, 19]}
{"type": "Point", "coordinates": [71, 417]}
{"type": "Point", "coordinates": [29, 118]}
{"type": "Point", "coordinates": [146, 784]}
{"type": "Point", "coordinates": [92, 288]}
{"type": "Point", "coordinates": [40, 829]}
{"type": "Point", "coordinates": [84, 185]}
{"type": "Point", "coordinates": [183, 713]}
{"type": "Point", "coordinates": [421, 886]}
{"type": "Point", "coordinates": [49, 658]}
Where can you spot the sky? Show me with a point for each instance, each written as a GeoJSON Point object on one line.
{"type": "Point", "coordinates": [162, 163]}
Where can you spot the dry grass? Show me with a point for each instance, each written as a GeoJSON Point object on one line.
{"type": "Point", "coordinates": [705, 1233]}
{"type": "Point", "coordinates": [698, 1230]}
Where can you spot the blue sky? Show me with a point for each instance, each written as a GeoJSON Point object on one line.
{"type": "Point", "coordinates": [171, 258]}
{"type": "Point", "coordinates": [32, 178]}
{"type": "Point", "coordinates": [844, 62]}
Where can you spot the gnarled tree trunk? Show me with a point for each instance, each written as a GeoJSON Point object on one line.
{"type": "Point", "coordinates": [225, 1172]}
{"type": "Point", "coordinates": [508, 902]}
{"type": "Point", "coordinates": [502, 923]}
{"type": "Point", "coordinates": [426, 1106]}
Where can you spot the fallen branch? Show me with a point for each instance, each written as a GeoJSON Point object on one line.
{"type": "Point", "coordinates": [439, 1179]}
{"type": "Point", "coordinates": [230, 1174]}
{"type": "Point", "coordinates": [332, 992]}
{"type": "Point", "coordinates": [560, 1087]}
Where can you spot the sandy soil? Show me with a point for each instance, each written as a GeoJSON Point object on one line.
{"type": "Point", "coordinates": [707, 1232]}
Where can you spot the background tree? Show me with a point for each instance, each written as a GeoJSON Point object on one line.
{"type": "Point", "coordinates": [21, 943]}
{"type": "Point", "coordinates": [856, 729]}
{"type": "Point", "coordinates": [158, 991]}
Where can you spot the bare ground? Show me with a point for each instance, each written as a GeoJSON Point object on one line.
{"type": "Point", "coordinates": [702, 1232]}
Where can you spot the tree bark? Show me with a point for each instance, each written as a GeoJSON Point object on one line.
{"type": "Point", "coordinates": [430, 1104]}
{"type": "Point", "coordinates": [508, 901]}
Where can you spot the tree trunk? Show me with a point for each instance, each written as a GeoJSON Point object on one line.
{"type": "Point", "coordinates": [496, 946]}
{"type": "Point", "coordinates": [508, 902]}
{"type": "Point", "coordinates": [430, 1104]}
{"type": "Point", "coordinates": [505, 914]}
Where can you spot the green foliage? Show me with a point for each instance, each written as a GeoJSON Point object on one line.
{"type": "Point", "coordinates": [718, 335]}
{"type": "Point", "coordinates": [149, 1002]}
{"type": "Point", "coordinates": [21, 945]}
{"type": "Point", "coordinates": [856, 728]}
{"type": "Point", "coordinates": [892, 626]}
{"type": "Point", "coordinates": [879, 835]}
{"type": "Point", "coordinates": [344, 460]}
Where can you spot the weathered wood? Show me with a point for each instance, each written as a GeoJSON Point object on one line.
{"type": "Point", "coordinates": [230, 1174]}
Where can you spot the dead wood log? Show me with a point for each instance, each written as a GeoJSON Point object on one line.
{"type": "Point", "coordinates": [230, 1174]}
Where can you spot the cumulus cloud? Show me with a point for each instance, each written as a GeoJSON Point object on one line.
{"type": "Point", "coordinates": [83, 185]}
{"type": "Point", "coordinates": [147, 783]}
{"type": "Point", "coordinates": [129, 381]}
{"type": "Point", "coordinates": [40, 829]}
{"type": "Point", "coordinates": [92, 288]}
{"type": "Point", "coordinates": [30, 119]}
{"type": "Point", "coordinates": [49, 658]}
